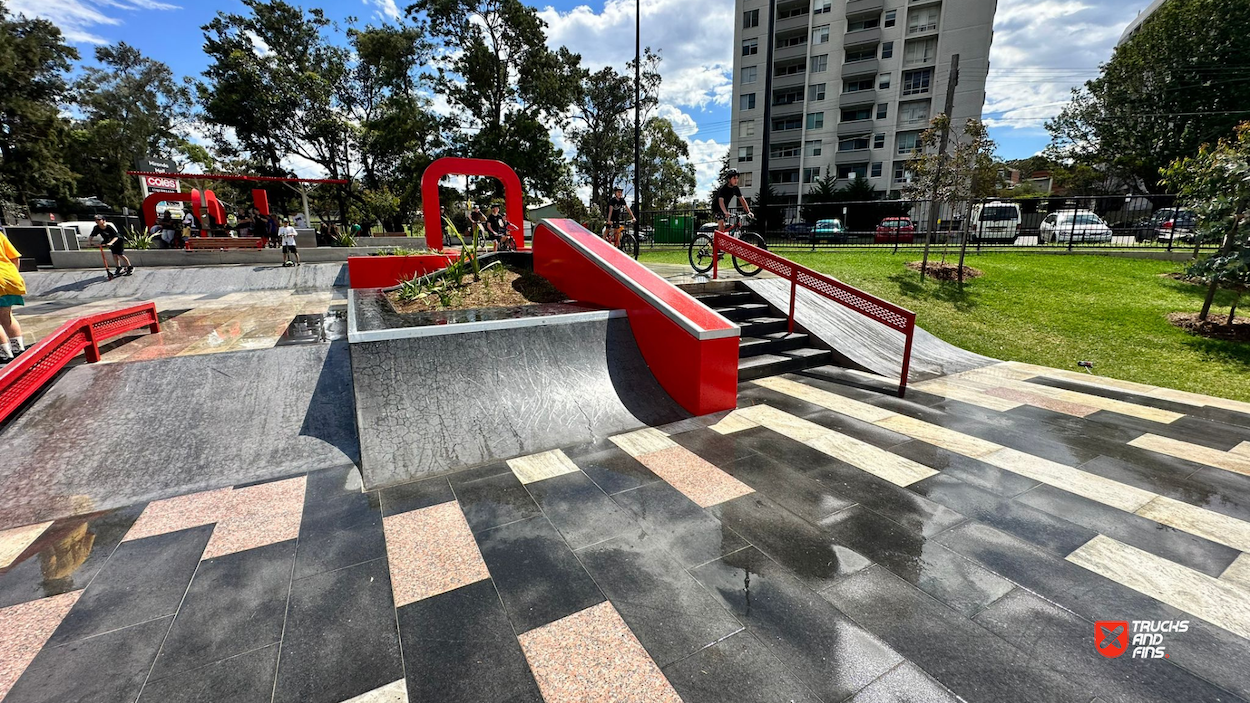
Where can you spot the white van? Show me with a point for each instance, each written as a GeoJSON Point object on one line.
{"type": "Point", "coordinates": [995, 221]}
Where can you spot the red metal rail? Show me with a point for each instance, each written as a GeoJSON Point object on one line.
{"type": "Point", "coordinates": [883, 311]}
{"type": "Point", "coordinates": [25, 375]}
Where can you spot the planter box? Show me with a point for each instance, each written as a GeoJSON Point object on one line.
{"type": "Point", "coordinates": [388, 271]}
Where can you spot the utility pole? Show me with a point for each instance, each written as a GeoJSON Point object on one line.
{"type": "Point", "coordinates": [951, 81]}
{"type": "Point", "coordinates": [637, 117]}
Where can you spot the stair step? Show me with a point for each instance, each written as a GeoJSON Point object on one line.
{"type": "Point", "coordinates": [744, 311]}
{"type": "Point", "coordinates": [763, 365]}
{"type": "Point", "coordinates": [721, 300]}
{"type": "Point", "coordinates": [761, 326]}
{"type": "Point", "coordinates": [770, 343]}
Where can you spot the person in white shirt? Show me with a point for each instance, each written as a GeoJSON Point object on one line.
{"type": "Point", "coordinates": [286, 233]}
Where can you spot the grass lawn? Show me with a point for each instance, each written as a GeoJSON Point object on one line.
{"type": "Point", "coordinates": [1055, 311]}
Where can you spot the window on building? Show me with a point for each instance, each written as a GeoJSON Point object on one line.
{"type": "Point", "coordinates": [782, 124]}
{"type": "Point", "coordinates": [883, 110]}
{"type": "Point", "coordinates": [890, 17]}
{"type": "Point", "coordinates": [792, 12]}
{"type": "Point", "coordinates": [901, 174]}
{"type": "Point", "coordinates": [856, 85]}
{"type": "Point", "coordinates": [746, 178]}
{"type": "Point", "coordinates": [878, 141]}
{"type": "Point", "coordinates": [746, 101]}
{"type": "Point", "coordinates": [784, 150]}
{"type": "Point", "coordinates": [812, 147]}
{"type": "Point", "coordinates": [821, 6]}
{"type": "Point", "coordinates": [883, 81]}
{"type": "Point", "coordinates": [920, 51]}
{"type": "Point", "coordinates": [746, 153]}
{"type": "Point", "coordinates": [816, 91]}
{"type": "Point", "coordinates": [790, 175]}
{"type": "Point", "coordinates": [749, 74]}
{"type": "Point", "coordinates": [815, 120]}
{"type": "Point", "coordinates": [917, 82]}
{"type": "Point", "coordinates": [853, 114]}
{"type": "Point", "coordinates": [922, 19]}
{"type": "Point", "coordinates": [787, 96]}
{"type": "Point", "coordinates": [863, 23]}
{"type": "Point", "coordinates": [905, 142]}
{"type": "Point", "coordinates": [913, 113]}
{"type": "Point", "coordinates": [861, 53]}
{"type": "Point", "coordinates": [820, 63]}
{"type": "Point", "coordinates": [852, 170]}
{"type": "Point", "coordinates": [811, 175]}
{"type": "Point", "coordinates": [746, 129]}
{"type": "Point", "coordinates": [789, 69]}
{"type": "Point", "coordinates": [750, 18]}
{"type": "Point", "coordinates": [853, 143]}
{"type": "Point", "coordinates": [792, 40]}
{"type": "Point", "coordinates": [887, 50]}
{"type": "Point", "coordinates": [820, 35]}
{"type": "Point", "coordinates": [875, 171]}
{"type": "Point", "coordinates": [750, 47]}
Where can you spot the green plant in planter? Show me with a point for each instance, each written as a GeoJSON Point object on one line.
{"type": "Point", "coordinates": [345, 239]}
{"type": "Point", "coordinates": [468, 251]}
{"type": "Point", "coordinates": [137, 240]}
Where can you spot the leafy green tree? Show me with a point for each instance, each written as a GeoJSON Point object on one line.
{"type": "Point", "coordinates": [1216, 181]}
{"type": "Point", "coordinates": [1178, 83]}
{"type": "Point", "coordinates": [495, 69]}
{"type": "Point", "coordinates": [665, 178]}
{"type": "Point", "coordinates": [602, 131]}
{"type": "Point", "coordinates": [132, 107]}
{"type": "Point", "coordinates": [34, 62]}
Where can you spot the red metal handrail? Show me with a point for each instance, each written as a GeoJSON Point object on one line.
{"type": "Point", "coordinates": [883, 311]}
{"type": "Point", "coordinates": [25, 375]}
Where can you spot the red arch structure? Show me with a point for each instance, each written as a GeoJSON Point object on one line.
{"type": "Point", "coordinates": [453, 166]}
{"type": "Point", "coordinates": [215, 209]}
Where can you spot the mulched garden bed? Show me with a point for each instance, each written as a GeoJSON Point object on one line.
{"type": "Point", "coordinates": [1214, 327]}
{"type": "Point", "coordinates": [946, 272]}
{"type": "Point", "coordinates": [500, 286]}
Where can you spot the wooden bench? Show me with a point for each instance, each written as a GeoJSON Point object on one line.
{"type": "Point", "coordinates": [225, 243]}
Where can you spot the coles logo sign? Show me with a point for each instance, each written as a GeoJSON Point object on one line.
{"type": "Point", "coordinates": [161, 184]}
{"type": "Point", "coordinates": [1112, 637]}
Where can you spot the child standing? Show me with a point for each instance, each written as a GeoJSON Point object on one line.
{"type": "Point", "coordinates": [287, 234]}
{"type": "Point", "coordinates": [12, 288]}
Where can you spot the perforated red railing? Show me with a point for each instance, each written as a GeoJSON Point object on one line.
{"type": "Point", "coordinates": [870, 306]}
{"type": "Point", "coordinates": [24, 376]}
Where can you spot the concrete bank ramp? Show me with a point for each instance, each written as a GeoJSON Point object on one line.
{"type": "Point", "coordinates": [147, 283]}
{"type": "Point", "coordinates": [864, 342]}
{"type": "Point", "coordinates": [433, 404]}
{"type": "Point", "coordinates": [109, 435]}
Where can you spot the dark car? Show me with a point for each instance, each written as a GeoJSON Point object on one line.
{"type": "Point", "coordinates": [798, 230]}
{"type": "Point", "coordinates": [1171, 224]}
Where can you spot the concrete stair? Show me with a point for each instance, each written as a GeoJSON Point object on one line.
{"type": "Point", "coordinates": [765, 347]}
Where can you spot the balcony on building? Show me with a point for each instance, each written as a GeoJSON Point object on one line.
{"type": "Point", "coordinates": [862, 7]}
{"type": "Point", "coordinates": [789, 74]}
{"type": "Point", "coordinates": [857, 98]}
{"type": "Point", "coordinates": [790, 45]}
{"type": "Point", "coordinates": [791, 15]}
{"type": "Point", "coordinates": [863, 36]}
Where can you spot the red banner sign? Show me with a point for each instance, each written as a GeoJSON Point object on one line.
{"type": "Point", "coordinates": [159, 184]}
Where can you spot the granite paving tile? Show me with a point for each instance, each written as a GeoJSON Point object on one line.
{"type": "Point", "coordinates": [971, 471]}
{"type": "Point", "coordinates": [415, 495]}
{"type": "Point", "coordinates": [876, 435]}
{"type": "Point", "coordinates": [713, 447]}
{"type": "Point", "coordinates": [431, 551]}
{"type": "Point", "coordinates": [1194, 452]}
{"type": "Point", "coordinates": [26, 627]}
{"type": "Point", "coordinates": [1214, 489]}
{"type": "Point", "coordinates": [537, 576]}
{"type": "Point", "coordinates": [243, 678]}
{"type": "Point", "coordinates": [798, 493]}
{"type": "Point", "coordinates": [458, 646]}
{"type": "Point", "coordinates": [536, 467]}
{"type": "Point", "coordinates": [491, 496]}
{"type": "Point", "coordinates": [16, 540]}
{"type": "Point", "coordinates": [905, 683]}
{"type": "Point", "coordinates": [1213, 526]}
{"type": "Point", "coordinates": [338, 530]}
{"type": "Point", "coordinates": [697, 479]}
{"type": "Point", "coordinates": [258, 515]}
{"type": "Point", "coordinates": [670, 613]}
{"type": "Point", "coordinates": [582, 513]}
{"type": "Point", "coordinates": [644, 441]}
{"type": "Point", "coordinates": [1055, 404]}
{"type": "Point", "coordinates": [1238, 573]}
{"type": "Point", "coordinates": [737, 668]}
{"type": "Point", "coordinates": [753, 394]}
{"type": "Point", "coordinates": [180, 513]}
{"type": "Point", "coordinates": [687, 531]}
{"type": "Point", "coordinates": [610, 467]}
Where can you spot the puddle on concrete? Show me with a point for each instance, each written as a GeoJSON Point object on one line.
{"type": "Point", "coordinates": [315, 329]}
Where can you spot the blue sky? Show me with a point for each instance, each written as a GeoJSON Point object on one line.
{"type": "Point", "coordinates": [1042, 48]}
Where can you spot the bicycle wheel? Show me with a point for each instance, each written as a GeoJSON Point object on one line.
{"type": "Point", "coordinates": [701, 254]}
{"type": "Point", "coordinates": [629, 245]}
{"type": "Point", "coordinates": [746, 268]}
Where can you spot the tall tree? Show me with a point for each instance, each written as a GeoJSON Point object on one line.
{"type": "Point", "coordinates": [506, 86]}
{"type": "Point", "coordinates": [666, 178]}
{"type": "Point", "coordinates": [602, 132]}
{"type": "Point", "coordinates": [34, 62]}
{"type": "Point", "coordinates": [1178, 83]}
{"type": "Point", "coordinates": [132, 107]}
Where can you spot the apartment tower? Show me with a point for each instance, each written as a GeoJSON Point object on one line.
{"type": "Point", "coordinates": [852, 85]}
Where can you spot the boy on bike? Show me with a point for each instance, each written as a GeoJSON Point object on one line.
{"type": "Point", "coordinates": [496, 226]}
{"type": "Point", "coordinates": [723, 199]}
{"type": "Point", "coordinates": [616, 206]}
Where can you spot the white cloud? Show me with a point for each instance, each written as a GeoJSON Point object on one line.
{"type": "Point", "coordinates": [706, 156]}
{"type": "Point", "coordinates": [77, 18]}
{"type": "Point", "coordinates": [386, 9]}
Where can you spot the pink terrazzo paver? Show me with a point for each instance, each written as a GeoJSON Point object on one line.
{"type": "Point", "coordinates": [258, 515]}
{"type": "Point", "coordinates": [1041, 401]}
{"type": "Point", "coordinates": [696, 478]}
{"type": "Point", "coordinates": [431, 551]}
{"type": "Point", "coordinates": [173, 514]}
{"type": "Point", "coordinates": [593, 656]}
{"type": "Point", "coordinates": [26, 627]}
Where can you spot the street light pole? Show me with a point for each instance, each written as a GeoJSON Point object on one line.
{"type": "Point", "coordinates": [637, 113]}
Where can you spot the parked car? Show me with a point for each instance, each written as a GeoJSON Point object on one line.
{"type": "Point", "coordinates": [829, 230]}
{"type": "Point", "coordinates": [995, 222]}
{"type": "Point", "coordinates": [1074, 225]}
{"type": "Point", "coordinates": [1172, 223]}
{"type": "Point", "coordinates": [895, 229]}
{"type": "Point", "coordinates": [798, 230]}
{"type": "Point", "coordinates": [82, 229]}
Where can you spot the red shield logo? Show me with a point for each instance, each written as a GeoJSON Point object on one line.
{"type": "Point", "coordinates": [1111, 637]}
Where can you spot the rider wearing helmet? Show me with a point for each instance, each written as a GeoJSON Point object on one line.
{"type": "Point", "coordinates": [723, 199]}
{"type": "Point", "coordinates": [617, 209]}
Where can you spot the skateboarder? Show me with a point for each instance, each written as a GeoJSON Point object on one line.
{"type": "Point", "coordinates": [112, 239]}
{"type": "Point", "coordinates": [287, 234]}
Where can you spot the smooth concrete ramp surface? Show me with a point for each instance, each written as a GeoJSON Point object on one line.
{"type": "Point", "coordinates": [865, 342]}
{"type": "Point", "coordinates": [429, 405]}
{"type": "Point", "coordinates": [109, 435]}
{"type": "Point", "coordinates": [147, 283]}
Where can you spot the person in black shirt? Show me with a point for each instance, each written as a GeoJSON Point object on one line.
{"type": "Point", "coordinates": [477, 219]}
{"type": "Point", "coordinates": [496, 226]}
{"type": "Point", "coordinates": [112, 239]}
{"type": "Point", "coordinates": [617, 209]}
{"type": "Point", "coordinates": [723, 199]}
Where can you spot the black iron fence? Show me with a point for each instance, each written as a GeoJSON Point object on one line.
{"type": "Point", "coordinates": [1154, 222]}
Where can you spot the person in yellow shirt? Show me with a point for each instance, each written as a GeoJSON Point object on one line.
{"type": "Point", "coordinates": [12, 288]}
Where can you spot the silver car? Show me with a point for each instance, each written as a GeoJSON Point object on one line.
{"type": "Point", "coordinates": [1074, 225]}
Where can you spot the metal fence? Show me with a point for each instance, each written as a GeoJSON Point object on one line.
{"type": "Point", "coordinates": [1154, 222]}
